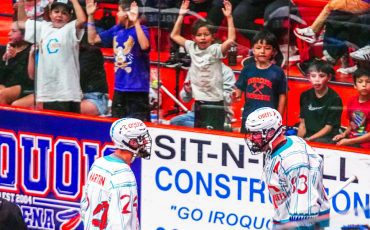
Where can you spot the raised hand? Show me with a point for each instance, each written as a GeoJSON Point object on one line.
{"type": "Point", "coordinates": [10, 52]}
{"type": "Point", "coordinates": [91, 7]}
{"type": "Point", "coordinates": [184, 8]}
{"type": "Point", "coordinates": [133, 14]}
{"type": "Point", "coordinates": [227, 10]}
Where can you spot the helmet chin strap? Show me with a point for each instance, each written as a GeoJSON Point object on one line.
{"type": "Point", "coordinates": [276, 135]}
{"type": "Point", "coordinates": [128, 147]}
{"type": "Point", "coordinates": [139, 152]}
{"type": "Point", "coordinates": [133, 158]}
{"type": "Point", "coordinates": [143, 153]}
{"type": "Point", "coordinates": [269, 143]}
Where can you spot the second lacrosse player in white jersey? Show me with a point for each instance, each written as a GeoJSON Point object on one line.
{"type": "Point", "coordinates": [110, 199]}
{"type": "Point", "coordinates": [293, 172]}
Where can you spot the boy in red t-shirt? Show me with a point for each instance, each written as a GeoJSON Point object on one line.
{"type": "Point", "coordinates": [358, 132]}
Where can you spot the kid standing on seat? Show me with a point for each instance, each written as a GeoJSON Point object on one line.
{"type": "Point", "coordinates": [130, 42]}
{"type": "Point", "coordinates": [264, 83]}
{"type": "Point", "coordinates": [321, 107]}
{"type": "Point", "coordinates": [205, 71]}
{"type": "Point", "coordinates": [58, 80]}
{"type": "Point", "coordinates": [358, 111]}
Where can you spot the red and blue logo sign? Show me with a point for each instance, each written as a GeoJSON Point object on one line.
{"type": "Point", "coordinates": [44, 161]}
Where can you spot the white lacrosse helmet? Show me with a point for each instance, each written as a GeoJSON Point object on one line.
{"type": "Point", "coordinates": [263, 126]}
{"type": "Point", "coordinates": [131, 134]}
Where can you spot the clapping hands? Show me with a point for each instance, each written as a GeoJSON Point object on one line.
{"type": "Point", "coordinates": [133, 14]}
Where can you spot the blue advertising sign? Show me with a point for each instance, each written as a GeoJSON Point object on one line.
{"type": "Point", "coordinates": [44, 162]}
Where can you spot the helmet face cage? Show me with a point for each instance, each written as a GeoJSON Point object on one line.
{"type": "Point", "coordinates": [132, 135]}
{"type": "Point", "coordinates": [142, 144]}
{"type": "Point", "coordinates": [260, 141]}
{"type": "Point", "coordinates": [263, 126]}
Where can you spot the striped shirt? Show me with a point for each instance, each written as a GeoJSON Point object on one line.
{"type": "Point", "coordinates": [294, 176]}
{"type": "Point", "coordinates": [110, 199]}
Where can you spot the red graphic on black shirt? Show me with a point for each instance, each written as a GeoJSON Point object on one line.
{"type": "Point", "coordinates": [258, 84]}
{"type": "Point", "coordinates": [257, 88]}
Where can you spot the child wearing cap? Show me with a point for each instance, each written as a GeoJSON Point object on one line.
{"type": "Point", "coordinates": [58, 78]}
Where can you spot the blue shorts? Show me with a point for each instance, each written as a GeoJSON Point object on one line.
{"type": "Point", "coordinates": [100, 100]}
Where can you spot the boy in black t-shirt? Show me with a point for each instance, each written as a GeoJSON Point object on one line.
{"type": "Point", "coordinates": [321, 107]}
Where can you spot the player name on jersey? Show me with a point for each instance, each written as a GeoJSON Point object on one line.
{"type": "Point", "coordinates": [47, 164]}
{"type": "Point", "coordinates": [96, 178]}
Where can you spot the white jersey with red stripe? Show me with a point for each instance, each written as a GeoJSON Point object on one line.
{"type": "Point", "coordinates": [110, 199]}
{"type": "Point", "coordinates": [294, 176]}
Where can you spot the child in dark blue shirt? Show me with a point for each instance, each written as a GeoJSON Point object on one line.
{"type": "Point", "coordinates": [264, 83]}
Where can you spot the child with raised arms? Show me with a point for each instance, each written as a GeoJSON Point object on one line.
{"type": "Point", "coordinates": [205, 72]}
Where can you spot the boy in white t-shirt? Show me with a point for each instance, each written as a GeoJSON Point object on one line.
{"type": "Point", "coordinates": [58, 73]}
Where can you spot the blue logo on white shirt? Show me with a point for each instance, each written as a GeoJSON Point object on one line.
{"type": "Point", "coordinates": [53, 46]}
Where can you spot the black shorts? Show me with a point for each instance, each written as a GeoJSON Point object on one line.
{"type": "Point", "coordinates": [209, 114]}
{"type": "Point", "coordinates": [64, 106]}
{"type": "Point", "coordinates": [131, 104]}
{"type": "Point", "coordinates": [26, 92]}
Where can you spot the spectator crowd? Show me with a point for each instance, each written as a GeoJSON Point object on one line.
{"type": "Point", "coordinates": [53, 60]}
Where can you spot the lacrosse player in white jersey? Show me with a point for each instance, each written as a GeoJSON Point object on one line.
{"type": "Point", "coordinates": [293, 172]}
{"type": "Point", "coordinates": [110, 199]}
